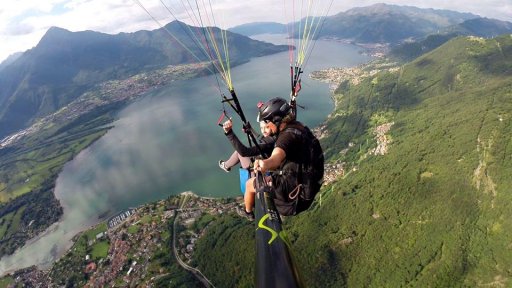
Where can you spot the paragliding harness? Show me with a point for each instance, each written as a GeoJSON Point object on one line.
{"type": "Point", "coordinates": [296, 184]}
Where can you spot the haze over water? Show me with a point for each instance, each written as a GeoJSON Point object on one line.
{"type": "Point", "coordinates": [168, 142]}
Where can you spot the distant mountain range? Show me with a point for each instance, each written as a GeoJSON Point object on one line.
{"type": "Point", "coordinates": [480, 27]}
{"type": "Point", "coordinates": [383, 23]}
{"type": "Point", "coordinates": [65, 64]}
{"type": "Point", "coordinates": [260, 28]}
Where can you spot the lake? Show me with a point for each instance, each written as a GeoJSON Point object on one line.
{"type": "Point", "coordinates": [168, 142]}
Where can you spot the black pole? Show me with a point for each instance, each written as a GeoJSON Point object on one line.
{"type": "Point", "coordinates": [274, 264]}
{"type": "Point", "coordinates": [246, 124]}
{"type": "Point", "coordinates": [293, 105]}
{"type": "Point", "coordinates": [291, 78]}
{"type": "Point", "coordinates": [296, 72]}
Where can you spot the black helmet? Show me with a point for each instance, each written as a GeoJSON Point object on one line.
{"type": "Point", "coordinates": [273, 110]}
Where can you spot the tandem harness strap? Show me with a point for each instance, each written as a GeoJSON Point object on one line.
{"type": "Point", "coordinates": [295, 192]}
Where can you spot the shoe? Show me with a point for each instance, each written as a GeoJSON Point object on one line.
{"type": "Point", "coordinates": [222, 166]}
{"type": "Point", "coordinates": [242, 213]}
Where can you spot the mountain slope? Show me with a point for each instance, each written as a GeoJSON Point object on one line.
{"type": "Point", "coordinates": [433, 211]}
{"type": "Point", "coordinates": [383, 23]}
{"type": "Point", "coordinates": [10, 59]}
{"type": "Point", "coordinates": [481, 27]}
{"type": "Point", "coordinates": [65, 64]}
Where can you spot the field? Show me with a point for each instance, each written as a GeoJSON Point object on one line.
{"type": "Point", "coordinates": [28, 170]}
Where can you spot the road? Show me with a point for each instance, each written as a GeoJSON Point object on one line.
{"type": "Point", "coordinates": [200, 276]}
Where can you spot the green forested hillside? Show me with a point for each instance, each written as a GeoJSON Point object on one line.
{"type": "Point", "coordinates": [434, 211]}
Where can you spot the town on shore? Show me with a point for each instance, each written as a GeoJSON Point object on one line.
{"type": "Point", "coordinates": [130, 239]}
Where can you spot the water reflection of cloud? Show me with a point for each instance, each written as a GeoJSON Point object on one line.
{"type": "Point", "coordinates": [116, 172]}
{"type": "Point", "coordinates": [121, 169]}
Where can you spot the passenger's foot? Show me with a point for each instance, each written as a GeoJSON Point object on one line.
{"type": "Point", "coordinates": [222, 166]}
{"type": "Point", "coordinates": [248, 215]}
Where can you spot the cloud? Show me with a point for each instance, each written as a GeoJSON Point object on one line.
{"type": "Point", "coordinates": [18, 29]}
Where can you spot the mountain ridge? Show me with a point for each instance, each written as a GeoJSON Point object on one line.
{"type": "Point", "coordinates": [65, 64]}
{"type": "Point", "coordinates": [394, 24]}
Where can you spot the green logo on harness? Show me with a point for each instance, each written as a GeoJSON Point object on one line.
{"type": "Point", "coordinates": [262, 226]}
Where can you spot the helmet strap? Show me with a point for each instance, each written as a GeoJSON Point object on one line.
{"type": "Point", "coordinates": [277, 121]}
{"type": "Point", "coordinates": [278, 127]}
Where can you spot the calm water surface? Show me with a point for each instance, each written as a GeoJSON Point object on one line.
{"type": "Point", "coordinates": [168, 142]}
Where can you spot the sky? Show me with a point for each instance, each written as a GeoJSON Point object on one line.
{"type": "Point", "coordinates": [24, 22]}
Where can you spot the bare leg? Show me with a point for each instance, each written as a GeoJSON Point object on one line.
{"type": "Point", "coordinates": [250, 193]}
{"type": "Point", "coordinates": [232, 161]}
{"type": "Point", "coordinates": [245, 162]}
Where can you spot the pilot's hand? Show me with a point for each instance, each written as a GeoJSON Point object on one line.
{"type": "Point", "coordinates": [259, 165]}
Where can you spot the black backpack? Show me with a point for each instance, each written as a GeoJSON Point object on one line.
{"type": "Point", "coordinates": [310, 173]}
